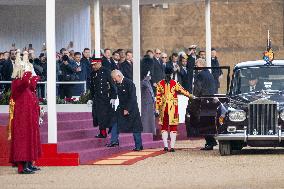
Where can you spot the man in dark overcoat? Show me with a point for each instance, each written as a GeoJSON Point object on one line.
{"type": "Point", "coordinates": [129, 120]}
{"type": "Point", "coordinates": [126, 67]}
{"type": "Point", "coordinates": [7, 69]}
{"type": "Point", "coordinates": [204, 84]}
{"type": "Point", "coordinates": [103, 93]}
{"type": "Point", "coordinates": [158, 69]}
{"type": "Point", "coordinates": [217, 73]}
{"type": "Point", "coordinates": [81, 70]}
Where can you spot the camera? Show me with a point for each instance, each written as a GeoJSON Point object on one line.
{"type": "Point", "coordinates": [65, 58]}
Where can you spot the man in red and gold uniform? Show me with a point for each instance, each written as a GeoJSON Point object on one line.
{"type": "Point", "coordinates": [24, 117]}
{"type": "Point", "coordinates": [167, 107]}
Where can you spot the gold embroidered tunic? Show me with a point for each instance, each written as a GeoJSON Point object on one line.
{"type": "Point", "coordinates": [167, 97]}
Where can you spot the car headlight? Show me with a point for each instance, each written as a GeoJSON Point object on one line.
{"type": "Point", "coordinates": [281, 115]}
{"type": "Point", "coordinates": [237, 116]}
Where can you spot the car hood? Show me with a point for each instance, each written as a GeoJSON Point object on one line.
{"type": "Point", "coordinates": [245, 98]}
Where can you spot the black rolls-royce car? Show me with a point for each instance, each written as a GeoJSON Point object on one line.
{"type": "Point", "coordinates": [250, 114]}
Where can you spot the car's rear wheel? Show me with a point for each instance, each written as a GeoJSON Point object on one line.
{"type": "Point", "coordinates": [225, 148]}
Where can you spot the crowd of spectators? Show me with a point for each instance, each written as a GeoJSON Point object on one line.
{"type": "Point", "coordinates": [76, 66]}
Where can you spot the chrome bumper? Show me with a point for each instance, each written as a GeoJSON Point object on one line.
{"type": "Point", "coordinates": [245, 137]}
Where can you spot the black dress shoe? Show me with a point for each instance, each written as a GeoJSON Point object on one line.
{"type": "Point", "coordinates": [113, 144]}
{"type": "Point", "coordinates": [166, 149]}
{"type": "Point", "coordinates": [101, 136]}
{"type": "Point", "coordinates": [138, 149]}
{"type": "Point", "coordinates": [207, 147]}
{"type": "Point", "coordinates": [109, 130]}
{"type": "Point", "coordinates": [27, 171]}
{"type": "Point", "coordinates": [172, 150]}
{"type": "Point", "coordinates": [34, 168]}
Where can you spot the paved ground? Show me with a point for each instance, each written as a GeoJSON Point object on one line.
{"type": "Point", "coordinates": [188, 168]}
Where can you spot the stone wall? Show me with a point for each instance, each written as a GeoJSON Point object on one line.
{"type": "Point", "coordinates": [239, 28]}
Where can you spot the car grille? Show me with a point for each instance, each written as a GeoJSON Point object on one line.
{"type": "Point", "coordinates": [263, 117]}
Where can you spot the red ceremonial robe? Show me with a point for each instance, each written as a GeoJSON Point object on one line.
{"type": "Point", "coordinates": [25, 141]}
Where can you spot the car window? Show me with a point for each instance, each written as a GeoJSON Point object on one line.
{"type": "Point", "coordinates": [258, 78]}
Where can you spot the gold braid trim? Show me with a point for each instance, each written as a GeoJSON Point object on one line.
{"type": "Point", "coordinates": [11, 117]}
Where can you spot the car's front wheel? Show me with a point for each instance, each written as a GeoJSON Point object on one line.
{"type": "Point", "coordinates": [225, 148]}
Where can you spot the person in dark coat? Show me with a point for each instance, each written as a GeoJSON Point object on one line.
{"type": "Point", "coordinates": [115, 60]}
{"type": "Point", "coordinates": [191, 63]}
{"type": "Point", "coordinates": [107, 61]}
{"type": "Point", "coordinates": [146, 66]}
{"type": "Point", "coordinates": [174, 65]}
{"type": "Point", "coordinates": [126, 67]}
{"type": "Point", "coordinates": [253, 84]}
{"type": "Point", "coordinates": [86, 60]}
{"type": "Point", "coordinates": [129, 120]}
{"type": "Point", "coordinates": [81, 70]}
{"type": "Point", "coordinates": [204, 85]}
{"type": "Point", "coordinates": [40, 68]}
{"type": "Point", "coordinates": [147, 98]}
{"type": "Point", "coordinates": [158, 69]}
{"type": "Point", "coordinates": [217, 73]}
{"type": "Point", "coordinates": [2, 61]}
{"type": "Point", "coordinates": [67, 67]}
{"type": "Point", "coordinates": [7, 69]}
{"type": "Point", "coordinates": [185, 75]}
{"type": "Point", "coordinates": [103, 93]}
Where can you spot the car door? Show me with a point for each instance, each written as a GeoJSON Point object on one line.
{"type": "Point", "coordinates": [201, 111]}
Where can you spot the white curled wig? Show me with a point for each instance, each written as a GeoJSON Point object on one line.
{"type": "Point", "coordinates": [22, 66]}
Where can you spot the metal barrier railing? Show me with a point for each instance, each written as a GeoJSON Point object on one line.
{"type": "Point", "coordinates": [58, 82]}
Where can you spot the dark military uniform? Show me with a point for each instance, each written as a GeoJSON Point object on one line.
{"type": "Point", "coordinates": [204, 84]}
{"type": "Point", "coordinates": [102, 91]}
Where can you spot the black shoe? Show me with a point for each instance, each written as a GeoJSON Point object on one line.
{"type": "Point", "coordinates": [101, 136]}
{"type": "Point", "coordinates": [207, 147]}
{"type": "Point", "coordinates": [166, 149]}
{"type": "Point", "coordinates": [34, 168]}
{"type": "Point", "coordinates": [113, 144]}
{"type": "Point", "coordinates": [138, 149]}
{"type": "Point", "coordinates": [172, 150]}
{"type": "Point", "coordinates": [27, 171]}
{"type": "Point", "coordinates": [109, 130]}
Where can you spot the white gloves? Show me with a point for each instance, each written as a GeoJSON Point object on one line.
{"type": "Point", "coordinates": [112, 102]}
{"type": "Point", "coordinates": [90, 103]}
{"type": "Point", "coordinates": [41, 114]}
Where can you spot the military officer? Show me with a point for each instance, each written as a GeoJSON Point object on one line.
{"type": "Point", "coordinates": [103, 94]}
{"type": "Point", "coordinates": [204, 84]}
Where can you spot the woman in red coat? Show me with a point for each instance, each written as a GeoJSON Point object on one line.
{"type": "Point", "coordinates": [25, 136]}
